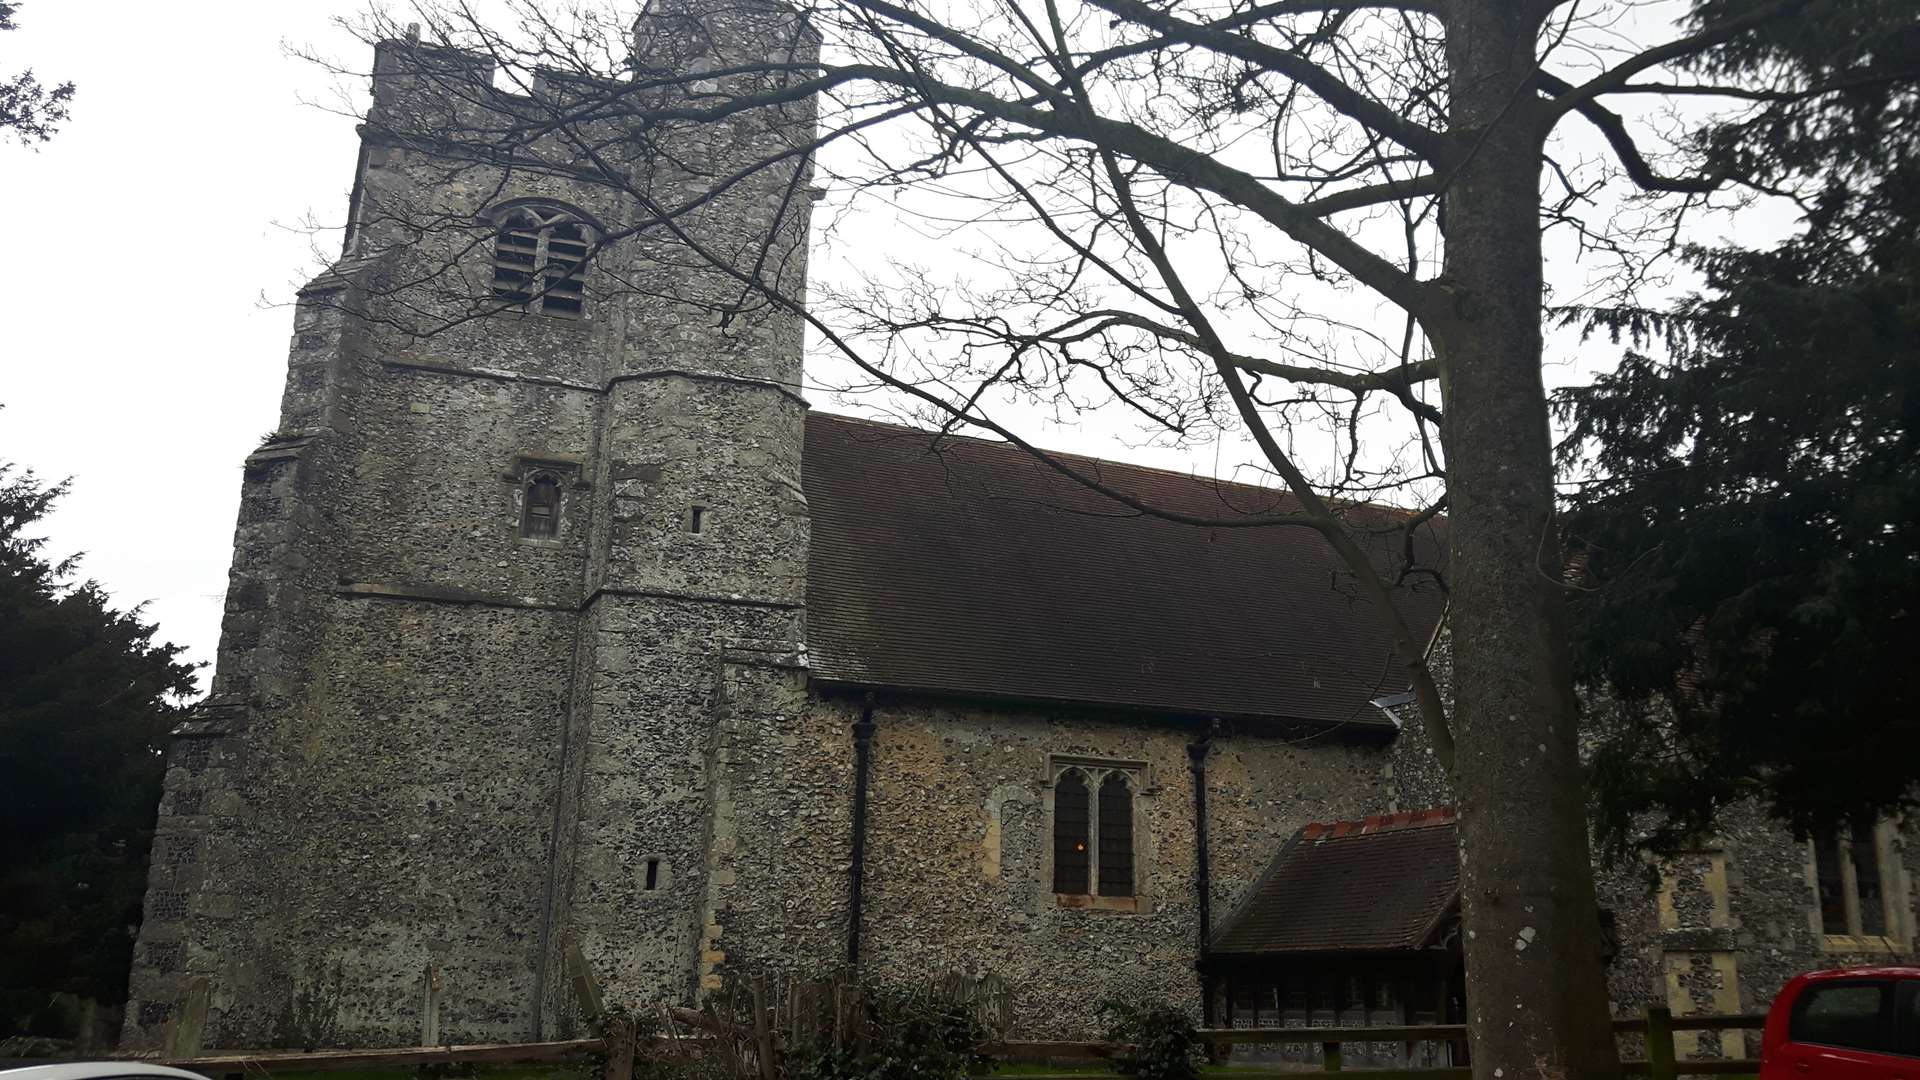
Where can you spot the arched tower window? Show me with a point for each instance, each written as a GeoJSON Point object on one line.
{"type": "Point", "coordinates": [540, 510]}
{"type": "Point", "coordinates": [539, 260]}
{"type": "Point", "coordinates": [1072, 826]}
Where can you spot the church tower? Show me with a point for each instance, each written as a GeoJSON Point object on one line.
{"type": "Point", "coordinates": [532, 508]}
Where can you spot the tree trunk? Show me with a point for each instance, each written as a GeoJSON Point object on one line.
{"type": "Point", "coordinates": [1536, 994]}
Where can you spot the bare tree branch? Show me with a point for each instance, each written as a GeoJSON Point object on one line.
{"type": "Point", "coordinates": [1322, 83]}
{"type": "Point", "coordinates": [1433, 709]}
{"type": "Point", "coordinates": [1614, 128]}
{"type": "Point", "coordinates": [1391, 191]}
{"type": "Point", "coordinates": [1397, 381]}
{"type": "Point", "coordinates": [1679, 49]}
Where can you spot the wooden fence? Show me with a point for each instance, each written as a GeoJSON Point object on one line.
{"type": "Point", "coordinates": [1657, 1029]}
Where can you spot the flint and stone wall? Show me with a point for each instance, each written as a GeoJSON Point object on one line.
{"type": "Point", "coordinates": [958, 872]}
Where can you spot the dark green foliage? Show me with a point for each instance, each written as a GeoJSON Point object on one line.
{"type": "Point", "coordinates": [1753, 537]}
{"type": "Point", "coordinates": [86, 699]}
{"type": "Point", "coordinates": [831, 1027]}
{"type": "Point", "coordinates": [1833, 90]}
{"type": "Point", "coordinates": [1164, 1044]}
{"type": "Point", "coordinates": [904, 1036]}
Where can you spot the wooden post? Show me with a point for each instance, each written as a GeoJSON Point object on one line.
{"type": "Point", "coordinates": [1330, 1056]}
{"type": "Point", "coordinates": [585, 990]}
{"type": "Point", "coordinates": [430, 1007]}
{"type": "Point", "coordinates": [621, 1038]}
{"type": "Point", "coordinates": [1659, 1038]}
{"type": "Point", "coordinates": [189, 1027]}
{"type": "Point", "coordinates": [762, 1037]}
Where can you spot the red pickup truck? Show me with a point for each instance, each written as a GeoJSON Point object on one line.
{"type": "Point", "coordinates": [1850, 1024]}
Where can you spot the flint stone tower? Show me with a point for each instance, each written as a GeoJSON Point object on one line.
{"type": "Point", "coordinates": [530, 494]}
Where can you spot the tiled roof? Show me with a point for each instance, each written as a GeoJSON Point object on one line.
{"type": "Point", "coordinates": [965, 567]}
{"type": "Point", "coordinates": [1378, 884]}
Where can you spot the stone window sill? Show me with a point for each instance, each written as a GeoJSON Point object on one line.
{"type": "Point", "coordinates": [1861, 943]}
{"type": "Point", "coordinates": [1097, 903]}
{"type": "Point", "coordinates": [543, 318]}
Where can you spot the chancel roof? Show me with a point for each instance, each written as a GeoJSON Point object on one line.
{"type": "Point", "coordinates": [963, 567]}
{"type": "Point", "coordinates": [1381, 884]}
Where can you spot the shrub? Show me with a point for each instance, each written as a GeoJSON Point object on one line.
{"type": "Point", "coordinates": [785, 1027]}
{"type": "Point", "coordinates": [903, 1036]}
{"type": "Point", "coordinates": [1161, 1041]}
{"type": "Point", "coordinates": [310, 1016]}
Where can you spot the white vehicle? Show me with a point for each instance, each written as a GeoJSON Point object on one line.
{"type": "Point", "coordinates": [99, 1070]}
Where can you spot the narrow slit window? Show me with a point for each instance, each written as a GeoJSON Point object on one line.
{"type": "Point", "coordinates": [540, 260]}
{"type": "Point", "coordinates": [653, 874]}
{"type": "Point", "coordinates": [540, 516]}
{"type": "Point", "coordinates": [696, 519]}
{"type": "Point", "coordinates": [1116, 836]}
{"type": "Point", "coordinates": [1072, 818]}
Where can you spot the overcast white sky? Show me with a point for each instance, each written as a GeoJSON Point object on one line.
{"type": "Point", "coordinates": [141, 351]}
{"type": "Point", "coordinates": [135, 355]}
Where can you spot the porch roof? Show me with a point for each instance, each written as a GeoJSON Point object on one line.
{"type": "Point", "coordinates": [1379, 884]}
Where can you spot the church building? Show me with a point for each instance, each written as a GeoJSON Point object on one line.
{"type": "Point", "coordinates": [564, 636]}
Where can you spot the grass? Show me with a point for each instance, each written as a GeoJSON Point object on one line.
{"type": "Point", "coordinates": [480, 1072]}
{"type": "Point", "coordinates": [1016, 1069]}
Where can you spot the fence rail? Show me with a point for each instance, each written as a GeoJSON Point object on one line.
{"type": "Point", "coordinates": [335, 1060]}
{"type": "Point", "coordinates": [1657, 1026]}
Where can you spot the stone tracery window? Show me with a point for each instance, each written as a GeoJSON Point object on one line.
{"type": "Point", "coordinates": [1093, 831]}
{"type": "Point", "coordinates": [1116, 835]}
{"type": "Point", "coordinates": [1072, 833]}
{"type": "Point", "coordinates": [539, 260]}
{"type": "Point", "coordinates": [1853, 880]}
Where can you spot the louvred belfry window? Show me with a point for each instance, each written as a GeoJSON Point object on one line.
{"type": "Point", "coordinates": [540, 516]}
{"type": "Point", "coordinates": [540, 260]}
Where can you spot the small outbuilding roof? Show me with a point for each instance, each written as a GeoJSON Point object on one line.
{"type": "Point", "coordinates": [1380, 884]}
{"type": "Point", "coordinates": [965, 567]}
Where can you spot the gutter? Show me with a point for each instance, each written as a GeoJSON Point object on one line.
{"type": "Point", "coordinates": [1197, 751]}
{"type": "Point", "coordinates": [857, 870]}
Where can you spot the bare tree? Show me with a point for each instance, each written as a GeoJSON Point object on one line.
{"type": "Point", "coordinates": [1175, 207]}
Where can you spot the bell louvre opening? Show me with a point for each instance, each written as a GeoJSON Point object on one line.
{"type": "Point", "coordinates": [540, 261]}
{"type": "Point", "coordinates": [540, 518]}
